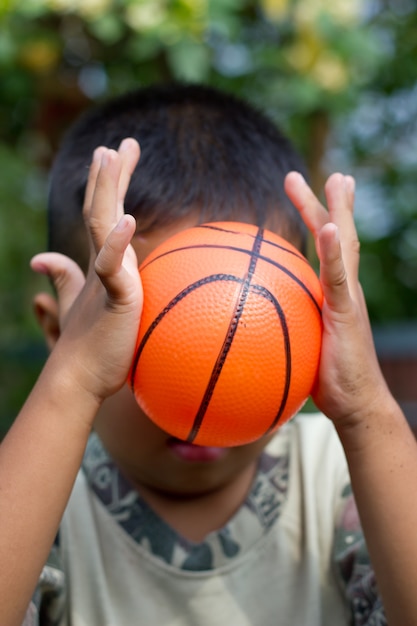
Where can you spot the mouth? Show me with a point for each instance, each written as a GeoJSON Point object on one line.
{"type": "Point", "coordinates": [192, 453]}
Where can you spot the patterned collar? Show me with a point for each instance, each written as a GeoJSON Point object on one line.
{"type": "Point", "coordinates": [259, 512]}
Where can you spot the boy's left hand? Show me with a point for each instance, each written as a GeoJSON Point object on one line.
{"type": "Point", "coordinates": [350, 381]}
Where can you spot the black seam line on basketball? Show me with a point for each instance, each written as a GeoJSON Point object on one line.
{"type": "Point", "coordinates": [180, 296]}
{"type": "Point", "coordinates": [265, 293]}
{"type": "Point", "coordinates": [296, 253]}
{"type": "Point", "coordinates": [228, 340]}
{"type": "Point", "coordinates": [218, 246]}
{"type": "Point", "coordinates": [220, 230]}
{"type": "Point", "coordinates": [248, 252]}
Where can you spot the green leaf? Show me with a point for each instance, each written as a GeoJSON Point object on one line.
{"type": "Point", "coordinates": [189, 60]}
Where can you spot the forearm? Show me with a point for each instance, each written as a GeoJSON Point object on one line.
{"type": "Point", "coordinates": [379, 446]}
{"type": "Point", "coordinates": [39, 460]}
{"type": "Point", "coordinates": [382, 456]}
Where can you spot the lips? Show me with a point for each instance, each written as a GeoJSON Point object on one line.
{"type": "Point", "coordinates": [195, 454]}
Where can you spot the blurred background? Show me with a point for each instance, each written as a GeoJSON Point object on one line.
{"type": "Point", "coordinates": [339, 77]}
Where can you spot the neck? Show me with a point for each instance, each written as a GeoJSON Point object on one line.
{"type": "Point", "coordinates": [195, 516]}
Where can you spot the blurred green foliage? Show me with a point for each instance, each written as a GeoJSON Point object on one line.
{"type": "Point", "coordinates": [339, 77]}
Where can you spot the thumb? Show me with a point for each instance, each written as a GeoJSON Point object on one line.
{"type": "Point", "coordinates": [66, 276]}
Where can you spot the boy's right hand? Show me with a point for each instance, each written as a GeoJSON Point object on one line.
{"type": "Point", "coordinates": [99, 316]}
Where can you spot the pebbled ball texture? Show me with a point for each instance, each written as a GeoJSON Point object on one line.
{"type": "Point", "coordinates": [230, 335]}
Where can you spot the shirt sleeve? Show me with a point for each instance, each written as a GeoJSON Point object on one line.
{"type": "Point", "coordinates": [47, 607]}
{"type": "Point", "coordinates": [354, 567]}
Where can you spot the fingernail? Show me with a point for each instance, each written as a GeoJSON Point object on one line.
{"type": "Point", "coordinates": [297, 175]}
{"type": "Point", "coordinates": [350, 183]}
{"type": "Point", "coordinates": [125, 144]}
{"type": "Point", "coordinates": [121, 224]}
{"type": "Point", "coordinates": [104, 158]}
{"type": "Point", "coordinates": [39, 267]}
{"type": "Point", "coordinates": [97, 154]}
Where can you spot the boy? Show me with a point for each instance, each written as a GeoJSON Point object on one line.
{"type": "Point", "coordinates": [158, 531]}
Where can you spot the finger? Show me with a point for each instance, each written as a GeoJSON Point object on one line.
{"type": "Point", "coordinates": [344, 302]}
{"type": "Point", "coordinates": [339, 192]}
{"type": "Point", "coordinates": [312, 211]}
{"type": "Point", "coordinates": [129, 152]}
{"type": "Point", "coordinates": [109, 261]}
{"type": "Point", "coordinates": [66, 276]}
{"type": "Point", "coordinates": [350, 189]}
{"type": "Point", "coordinates": [91, 185]}
{"type": "Point", "coordinates": [102, 216]}
{"type": "Point", "coordinates": [333, 274]}
{"type": "Point", "coordinates": [92, 178]}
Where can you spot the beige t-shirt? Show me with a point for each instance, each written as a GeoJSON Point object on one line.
{"type": "Point", "coordinates": [273, 564]}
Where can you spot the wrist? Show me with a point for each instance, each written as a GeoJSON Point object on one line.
{"type": "Point", "coordinates": [375, 422]}
{"type": "Point", "coordinates": [67, 384]}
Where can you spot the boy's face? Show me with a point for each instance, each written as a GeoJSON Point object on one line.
{"type": "Point", "coordinates": [147, 454]}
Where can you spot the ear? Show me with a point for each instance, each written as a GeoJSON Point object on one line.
{"type": "Point", "coordinates": [46, 311]}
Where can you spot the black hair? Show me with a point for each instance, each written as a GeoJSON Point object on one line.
{"type": "Point", "coordinates": [201, 149]}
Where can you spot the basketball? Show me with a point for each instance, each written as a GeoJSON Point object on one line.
{"type": "Point", "coordinates": [230, 335]}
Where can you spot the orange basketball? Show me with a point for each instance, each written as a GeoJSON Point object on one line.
{"type": "Point", "coordinates": [230, 335]}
